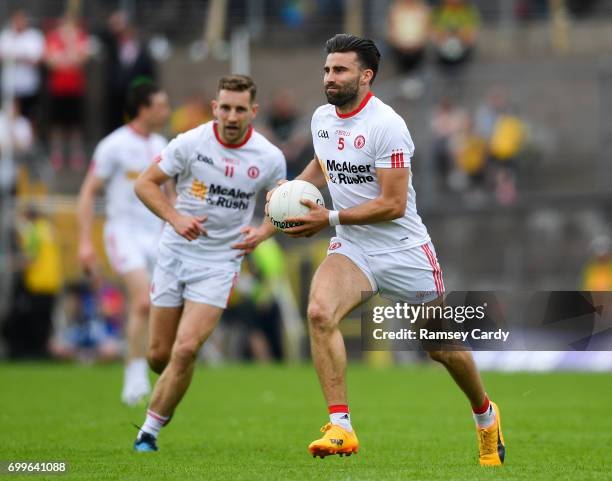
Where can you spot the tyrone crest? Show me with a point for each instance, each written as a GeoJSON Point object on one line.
{"type": "Point", "coordinates": [253, 172]}
{"type": "Point", "coordinates": [359, 142]}
{"type": "Point", "coordinates": [333, 246]}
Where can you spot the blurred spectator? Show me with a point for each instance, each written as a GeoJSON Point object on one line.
{"type": "Point", "coordinates": [267, 264]}
{"type": "Point", "coordinates": [91, 324]}
{"type": "Point", "coordinates": [504, 133]}
{"type": "Point", "coordinates": [21, 51]}
{"type": "Point", "coordinates": [507, 140]}
{"type": "Point", "coordinates": [285, 129]}
{"type": "Point", "coordinates": [15, 136]}
{"type": "Point", "coordinates": [407, 34]}
{"type": "Point", "coordinates": [469, 152]}
{"type": "Point", "coordinates": [597, 274]}
{"type": "Point", "coordinates": [531, 9]}
{"type": "Point", "coordinates": [193, 112]}
{"type": "Point", "coordinates": [488, 111]}
{"type": "Point", "coordinates": [448, 120]}
{"type": "Point", "coordinates": [66, 54]}
{"type": "Point", "coordinates": [581, 8]}
{"type": "Point", "coordinates": [505, 186]}
{"type": "Point", "coordinates": [254, 313]}
{"type": "Point", "coordinates": [127, 59]}
{"type": "Point", "coordinates": [38, 281]}
{"type": "Point", "coordinates": [455, 26]}
{"type": "Point", "coordinates": [504, 147]}
{"type": "Point", "coordinates": [293, 13]}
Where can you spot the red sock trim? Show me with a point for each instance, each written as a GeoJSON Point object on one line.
{"type": "Point", "coordinates": [162, 419]}
{"type": "Point", "coordinates": [338, 408]}
{"type": "Point", "coordinates": [482, 409]}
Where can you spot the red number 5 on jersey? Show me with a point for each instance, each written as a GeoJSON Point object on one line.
{"type": "Point", "coordinates": [341, 143]}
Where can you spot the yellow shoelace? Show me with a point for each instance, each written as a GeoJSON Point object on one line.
{"type": "Point", "coordinates": [326, 427]}
{"type": "Point", "coordinates": [488, 441]}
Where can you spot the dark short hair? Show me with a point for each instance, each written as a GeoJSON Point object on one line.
{"type": "Point", "coordinates": [139, 95]}
{"type": "Point", "coordinates": [366, 50]}
{"type": "Point", "coordinates": [238, 83]}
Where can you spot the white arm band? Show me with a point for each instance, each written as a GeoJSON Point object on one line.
{"type": "Point", "coordinates": [334, 218]}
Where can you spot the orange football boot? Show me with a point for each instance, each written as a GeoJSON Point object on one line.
{"type": "Point", "coordinates": [335, 440]}
{"type": "Point", "coordinates": [491, 447]}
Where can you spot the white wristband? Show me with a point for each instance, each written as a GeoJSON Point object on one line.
{"type": "Point", "coordinates": [334, 218]}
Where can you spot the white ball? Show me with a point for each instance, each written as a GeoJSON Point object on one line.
{"type": "Point", "coordinates": [285, 202]}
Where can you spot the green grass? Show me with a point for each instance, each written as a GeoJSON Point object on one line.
{"type": "Point", "coordinates": [254, 423]}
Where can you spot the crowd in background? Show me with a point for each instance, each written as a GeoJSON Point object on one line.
{"type": "Point", "coordinates": [451, 28]}
{"type": "Point", "coordinates": [83, 320]}
{"type": "Point", "coordinates": [46, 71]}
{"type": "Point", "coordinates": [479, 151]}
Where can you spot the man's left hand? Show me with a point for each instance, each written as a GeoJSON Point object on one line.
{"type": "Point", "coordinates": [316, 220]}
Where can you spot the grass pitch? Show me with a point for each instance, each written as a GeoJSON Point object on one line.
{"type": "Point", "coordinates": [254, 423]}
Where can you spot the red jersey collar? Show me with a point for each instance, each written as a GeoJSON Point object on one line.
{"type": "Point", "coordinates": [363, 103]}
{"type": "Point", "coordinates": [232, 146]}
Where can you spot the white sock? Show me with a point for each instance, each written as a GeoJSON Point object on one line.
{"type": "Point", "coordinates": [137, 368]}
{"type": "Point", "coordinates": [485, 419]}
{"type": "Point", "coordinates": [153, 423]}
{"type": "Point", "coordinates": [341, 419]}
{"type": "Point", "coordinates": [136, 378]}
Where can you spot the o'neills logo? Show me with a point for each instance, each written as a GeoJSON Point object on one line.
{"type": "Point", "coordinates": [283, 224]}
{"type": "Point", "coordinates": [339, 173]}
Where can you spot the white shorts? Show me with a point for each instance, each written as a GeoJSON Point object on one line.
{"type": "Point", "coordinates": [410, 275]}
{"type": "Point", "coordinates": [175, 280]}
{"type": "Point", "coordinates": [129, 248]}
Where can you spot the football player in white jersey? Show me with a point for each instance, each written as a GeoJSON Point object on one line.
{"type": "Point", "coordinates": [362, 153]}
{"type": "Point", "coordinates": [131, 231]}
{"type": "Point", "coordinates": [220, 167]}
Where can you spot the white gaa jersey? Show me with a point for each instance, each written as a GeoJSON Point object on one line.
{"type": "Point", "coordinates": [350, 147]}
{"type": "Point", "coordinates": [220, 181]}
{"type": "Point", "coordinates": [119, 159]}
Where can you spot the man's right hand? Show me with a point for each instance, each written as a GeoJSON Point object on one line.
{"type": "Point", "coordinates": [189, 227]}
{"type": "Point", "coordinates": [87, 256]}
{"type": "Point", "coordinates": [269, 194]}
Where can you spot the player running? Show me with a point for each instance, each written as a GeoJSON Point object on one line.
{"type": "Point", "coordinates": [362, 153]}
{"type": "Point", "coordinates": [221, 166]}
{"type": "Point", "coordinates": [131, 231]}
